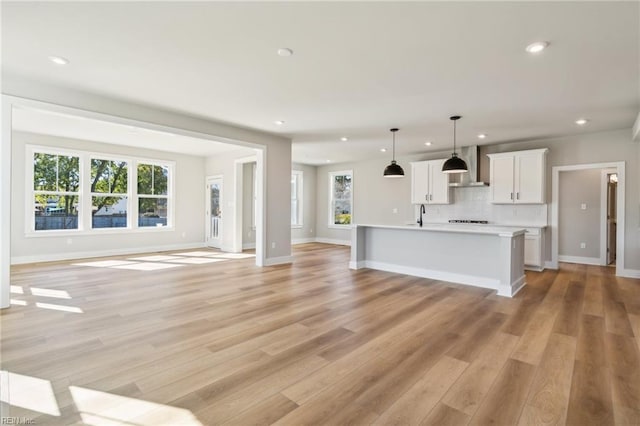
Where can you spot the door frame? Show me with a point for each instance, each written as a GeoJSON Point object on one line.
{"type": "Point", "coordinates": [619, 168]}
{"type": "Point", "coordinates": [207, 220]}
{"type": "Point", "coordinates": [604, 243]}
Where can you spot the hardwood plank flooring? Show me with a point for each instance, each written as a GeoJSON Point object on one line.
{"type": "Point", "coordinates": [316, 343]}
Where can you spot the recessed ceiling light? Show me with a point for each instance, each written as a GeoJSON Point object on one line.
{"type": "Point", "coordinates": [58, 60]}
{"type": "Point", "coordinates": [279, 122]}
{"type": "Point", "coordinates": [482, 136]}
{"type": "Point", "coordinates": [344, 139]}
{"type": "Point", "coordinates": [581, 121]}
{"type": "Point", "coordinates": [427, 143]}
{"type": "Point", "coordinates": [537, 47]}
{"type": "Point", "coordinates": [328, 161]}
{"type": "Point", "coordinates": [285, 51]}
{"type": "Point", "coordinates": [383, 149]}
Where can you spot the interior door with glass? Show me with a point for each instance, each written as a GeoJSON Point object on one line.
{"type": "Point", "coordinates": [214, 212]}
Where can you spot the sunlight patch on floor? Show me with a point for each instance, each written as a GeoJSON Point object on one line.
{"type": "Point", "coordinates": [16, 289]}
{"type": "Point", "coordinates": [102, 408]}
{"type": "Point", "coordinates": [46, 292]}
{"type": "Point", "coordinates": [196, 260]}
{"type": "Point", "coordinates": [28, 392]}
{"type": "Point", "coordinates": [149, 266]}
{"type": "Point", "coordinates": [63, 308]}
{"type": "Point", "coordinates": [156, 258]}
{"type": "Point", "coordinates": [18, 302]}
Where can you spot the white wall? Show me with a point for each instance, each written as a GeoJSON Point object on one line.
{"type": "Point", "coordinates": [299, 233]}
{"type": "Point", "coordinates": [575, 225]}
{"type": "Point", "coordinates": [308, 228]}
{"type": "Point", "coordinates": [189, 204]}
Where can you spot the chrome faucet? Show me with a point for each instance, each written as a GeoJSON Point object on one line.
{"type": "Point", "coordinates": [422, 210]}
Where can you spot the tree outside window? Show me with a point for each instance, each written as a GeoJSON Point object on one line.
{"type": "Point", "coordinates": [341, 198]}
{"type": "Point", "coordinates": [56, 191]}
{"type": "Point", "coordinates": [109, 177]}
{"type": "Point", "coordinates": [153, 191]}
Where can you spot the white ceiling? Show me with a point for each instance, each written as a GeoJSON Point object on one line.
{"type": "Point", "coordinates": [70, 126]}
{"type": "Point", "coordinates": [358, 68]}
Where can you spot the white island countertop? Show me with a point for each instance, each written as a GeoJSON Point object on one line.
{"type": "Point", "coordinates": [464, 228]}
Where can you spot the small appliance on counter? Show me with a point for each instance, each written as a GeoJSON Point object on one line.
{"type": "Point", "coordinates": [475, 222]}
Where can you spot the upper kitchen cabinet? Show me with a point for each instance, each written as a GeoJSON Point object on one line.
{"type": "Point", "coordinates": [518, 177]}
{"type": "Point", "coordinates": [428, 184]}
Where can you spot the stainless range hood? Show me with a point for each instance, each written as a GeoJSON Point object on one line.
{"type": "Point", "coordinates": [472, 177]}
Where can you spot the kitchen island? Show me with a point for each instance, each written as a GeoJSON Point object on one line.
{"type": "Point", "coordinates": [476, 255]}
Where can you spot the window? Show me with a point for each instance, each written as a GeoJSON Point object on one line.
{"type": "Point", "coordinates": [81, 191]}
{"type": "Point", "coordinates": [109, 189]}
{"type": "Point", "coordinates": [296, 198]}
{"type": "Point", "coordinates": [56, 191]}
{"type": "Point", "coordinates": [153, 200]}
{"type": "Point", "coordinates": [340, 198]}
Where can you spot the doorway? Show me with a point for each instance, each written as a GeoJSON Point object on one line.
{"type": "Point", "coordinates": [611, 181]}
{"type": "Point", "coordinates": [214, 223]}
{"type": "Point", "coordinates": [617, 210]}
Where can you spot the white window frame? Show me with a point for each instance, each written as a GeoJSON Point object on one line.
{"type": "Point", "coordinates": [298, 175]}
{"type": "Point", "coordinates": [332, 175]}
{"type": "Point", "coordinates": [85, 194]}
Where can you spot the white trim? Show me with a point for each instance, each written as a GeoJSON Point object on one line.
{"type": "Point", "coordinates": [5, 202]}
{"type": "Point", "coordinates": [18, 260]}
{"type": "Point", "coordinates": [282, 260]}
{"type": "Point", "coordinates": [630, 273]}
{"type": "Point", "coordinates": [471, 280]}
{"type": "Point", "coordinates": [303, 240]}
{"type": "Point", "coordinates": [330, 223]}
{"type": "Point", "coordinates": [620, 209]}
{"type": "Point", "coordinates": [333, 241]}
{"type": "Point", "coordinates": [299, 197]}
{"type": "Point", "coordinates": [248, 246]}
{"type": "Point", "coordinates": [550, 265]}
{"type": "Point", "coordinates": [579, 259]}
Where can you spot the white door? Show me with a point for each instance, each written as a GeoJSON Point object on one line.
{"type": "Point", "coordinates": [502, 180]}
{"type": "Point", "coordinates": [420, 182]}
{"type": "Point", "coordinates": [438, 183]}
{"type": "Point", "coordinates": [214, 212]}
{"type": "Point", "coordinates": [529, 178]}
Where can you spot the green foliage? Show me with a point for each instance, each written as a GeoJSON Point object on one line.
{"type": "Point", "coordinates": [152, 179]}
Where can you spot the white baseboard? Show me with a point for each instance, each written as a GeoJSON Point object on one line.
{"type": "Point", "coordinates": [333, 241]}
{"type": "Point", "coordinates": [18, 260]}
{"type": "Point", "coordinates": [550, 265]}
{"type": "Point", "coordinates": [630, 273]}
{"type": "Point", "coordinates": [303, 240]}
{"type": "Point", "coordinates": [282, 260]}
{"type": "Point", "coordinates": [516, 286]}
{"type": "Point", "coordinates": [247, 246]}
{"type": "Point", "coordinates": [580, 259]}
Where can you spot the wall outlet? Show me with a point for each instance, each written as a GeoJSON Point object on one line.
{"type": "Point", "coordinates": [311, 231]}
{"type": "Point", "coordinates": [583, 206]}
{"type": "Point", "coordinates": [583, 245]}
{"type": "Point", "coordinates": [395, 210]}
{"type": "Point", "coordinates": [273, 244]}
{"type": "Point", "coordinates": [69, 241]}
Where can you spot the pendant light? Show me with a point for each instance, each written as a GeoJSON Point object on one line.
{"type": "Point", "coordinates": [394, 170]}
{"type": "Point", "coordinates": [454, 164]}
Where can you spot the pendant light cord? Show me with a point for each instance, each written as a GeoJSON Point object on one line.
{"type": "Point", "coordinates": [454, 137]}
{"type": "Point", "coordinates": [394, 146]}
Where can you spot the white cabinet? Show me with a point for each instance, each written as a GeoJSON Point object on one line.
{"type": "Point", "coordinates": [533, 243]}
{"type": "Point", "coordinates": [518, 177]}
{"type": "Point", "coordinates": [428, 184]}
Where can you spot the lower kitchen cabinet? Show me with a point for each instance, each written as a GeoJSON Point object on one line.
{"type": "Point", "coordinates": [533, 249]}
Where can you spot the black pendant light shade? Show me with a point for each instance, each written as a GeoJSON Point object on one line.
{"type": "Point", "coordinates": [394, 170]}
{"type": "Point", "coordinates": [454, 164]}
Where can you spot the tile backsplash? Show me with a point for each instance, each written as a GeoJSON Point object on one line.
{"type": "Point", "coordinates": [473, 203]}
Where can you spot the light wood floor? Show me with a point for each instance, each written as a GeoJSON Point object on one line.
{"type": "Point", "coordinates": [317, 343]}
